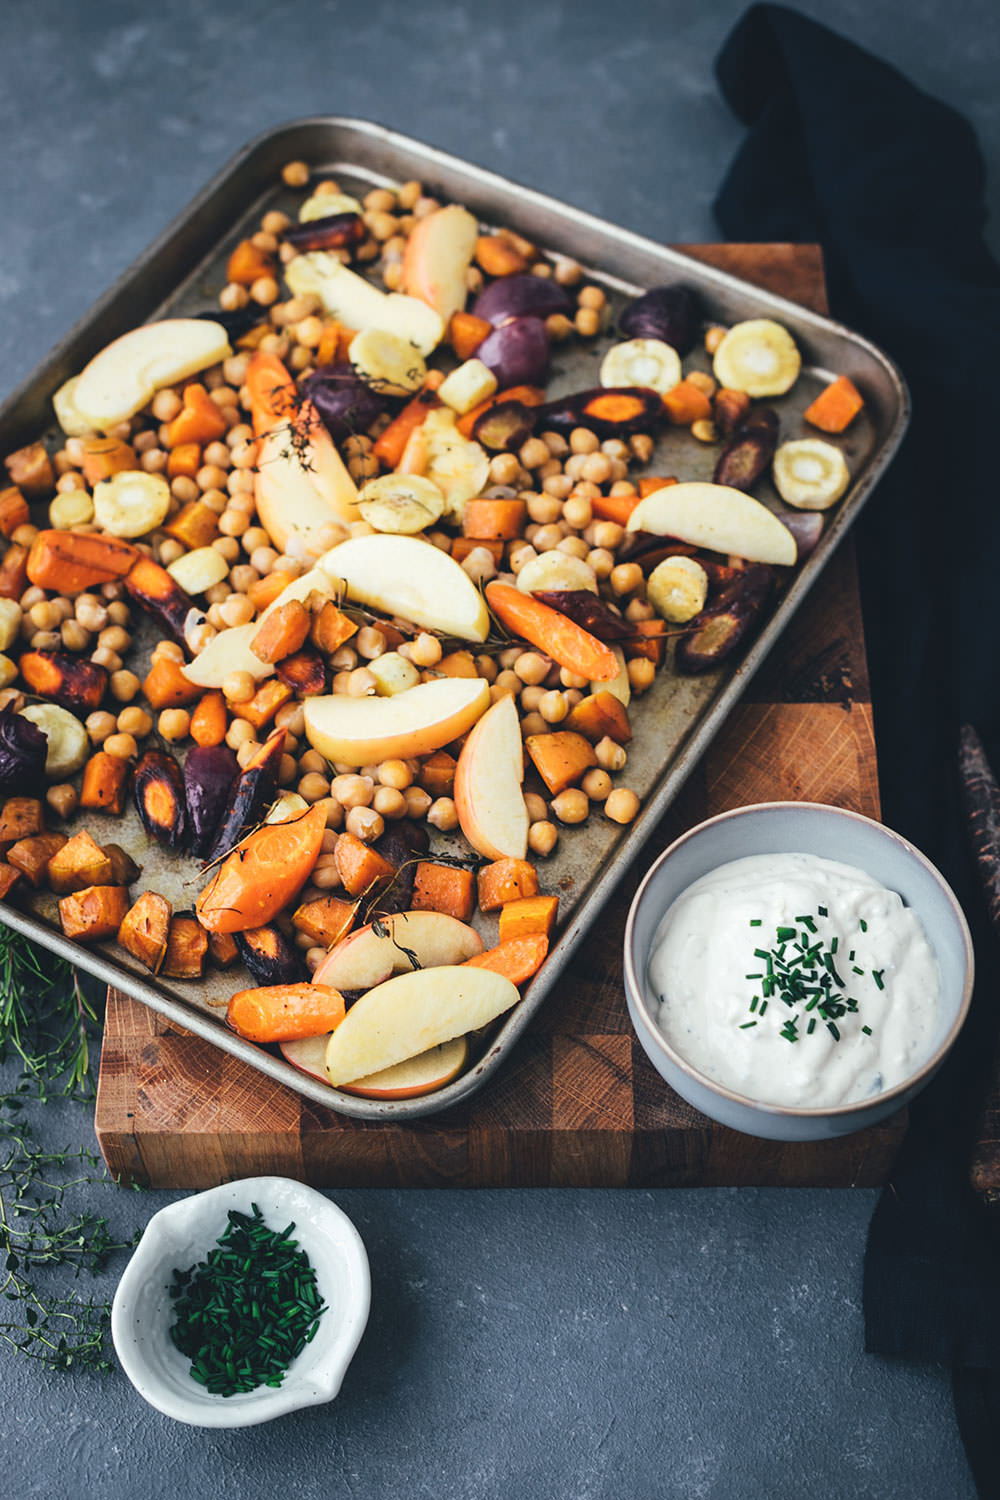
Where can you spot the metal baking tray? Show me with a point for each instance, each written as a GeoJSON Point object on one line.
{"type": "Point", "coordinates": [182, 271]}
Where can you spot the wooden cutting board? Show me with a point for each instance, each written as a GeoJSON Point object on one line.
{"type": "Point", "coordinates": [578, 1104]}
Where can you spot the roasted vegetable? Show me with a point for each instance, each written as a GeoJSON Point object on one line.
{"type": "Point", "coordinates": [362, 870]}
{"type": "Point", "coordinates": [165, 685]}
{"type": "Point", "coordinates": [387, 362]}
{"type": "Point", "coordinates": [505, 426]}
{"type": "Point", "coordinates": [210, 773]}
{"type": "Point", "coordinates": [601, 715]}
{"type": "Point", "coordinates": [304, 673]}
{"type": "Point", "coordinates": [282, 632]}
{"type": "Point", "coordinates": [124, 869]}
{"type": "Point", "coordinates": [670, 313]}
{"type": "Point", "coordinates": [726, 623]}
{"type": "Point", "coordinates": [325, 920]}
{"type": "Point", "coordinates": [187, 946]}
{"type": "Point", "coordinates": [729, 409]}
{"type": "Point", "coordinates": [331, 628]}
{"type": "Point", "coordinates": [22, 754]}
{"type": "Point", "coordinates": [160, 596]}
{"type": "Point", "coordinates": [609, 411]}
{"type": "Point", "coordinates": [13, 510]}
{"type": "Point", "coordinates": [401, 845]}
{"type": "Point", "coordinates": [552, 632]}
{"type": "Point", "coordinates": [749, 451]}
{"type": "Point", "coordinates": [402, 504]}
{"type": "Point", "coordinates": [677, 588]}
{"type": "Point", "coordinates": [249, 796]}
{"type": "Point", "coordinates": [444, 888]}
{"type": "Point", "coordinates": [105, 783]}
{"type": "Point", "coordinates": [505, 880]}
{"type": "Point", "coordinates": [93, 914]}
{"type": "Point", "coordinates": [158, 789]}
{"type": "Point", "coordinates": [806, 527]}
{"type": "Point", "coordinates": [30, 468]}
{"type": "Point", "coordinates": [517, 959]}
{"type": "Point", "coordinates": [810, 474]}
{"type": "Point", "coordinates": [642, 362]}
{"type": "Point", "coordinates": [20, 818]}
{"type": "Point", "coordinates": [524, 296]}
{"type": "Point", "coordinates": [68, 680]}
{"type": "Point", "coordinates": [66, 741]}
{"type": "Point", "coordinates": [131, 504]}
{"type": "Point", "coordinates": [517, 352]}
{"type": "Point", "coordinates": [68, 562]}
{"type": "Point", "coordinates": [836, 407]}
{"type": "Point", "coordinates": [79, 864]}
{"type": "Point", "coordinates": [531, 914]}
{"type": "Point", "coordinates": [268, 955]}
{"type": "Point", "coordinates": [31, 856]}
{"type": "Point", "coordinates": [222, 949]}
{"type": "Point", "coordinates": [758, 356]}
{"type": "Point", "coordinates": [334, 232]}
{"type": "Point", "coordinates": [588, 610]}
{"type": "Point", "coordinates": [560, 759]}
{"type": "Point", "coordinates": [10, 879]}
{"type": "Point", "coordinates": [284, 1012]}
{"type": "Point", "coordinates": [145, 928]}
{"type": "Point", "coordinates": [264, 704]}
{"type": "Point", "coordinates": [265, 873]}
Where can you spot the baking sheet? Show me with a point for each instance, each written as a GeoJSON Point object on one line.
{"type": "Point", "coordinates": [674, 722]}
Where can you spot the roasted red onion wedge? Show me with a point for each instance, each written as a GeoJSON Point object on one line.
{"type": "Point", "coordinates": [669, 313]}
{"type": "Point", "coordinates": [517, 352]}
{"type": "Point", "coordinates": [524, 296]}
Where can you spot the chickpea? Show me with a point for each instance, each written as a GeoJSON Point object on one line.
{"type": "Point", "coordinates": [265, 291]}
{"type": "Point", "coordinates": [102, 657]}
{"type": "Point", "coordinates": [531, 696]}
{"type": "Point", "coordinates": [370, 643]}
{"type": "Point", "coordinates": [311, 760]}
{"type": "Point", "coordinates": [425, 650]}
{"type": "Point", "coordinates": [542, 837]}
{"type": "Point", "coordinates": [571, 806]}
{"type": "Point", "coordinates": [233, 522]}
{"type": "Point", "coordinates": [91, 612]}
{"type": "Point", "coordinates": [236, 609]}
{"type": "Point", "coordinates": [531, 667]}
{"type": "Point", "coordinates": [243, 577]}
{"type": "Point", "coordinates": [333, 810]}
{"type": "Point", "coordinates": [168, 651]}
{"type": "Point", "coordinates": [591, 296]}
{"type": "Point", "coordinates": [622, 805]}
{"type": "Point", "coordinates": [520, 556]}
{"type": "Point", "coordinates": [610, 755]}
{"type": "Point", "coordinates": [571, 680]}
{"type": "Point", "coordinates": [417, 802]}
{"type": "Point", "coordinates": [238, 733]}
{"type": "Point", "coordinates": [479, 564]}
{"type": "Point", "coordinates": [537, 809]}
{"type": "Point", "coordinates": [239, 687]}
{"type": "Point", "coordinates": [42, 615]}
{"type": "Point", "coordinates": [395, 774]}
{"type": "Point", "coordinates": [552, 707]}
{"type": "Point", "coordinates": [352, 790]}
{"type": "Point", "coordinates": [557, 485]}
{"type": "Point", "coordinates": [641, 445]}
{"type": "Point", "coordinates": [313, 787]}
{"type": "Point", "coordinates": [534, 453]}
{"type": "Point", "coordinates": [597, 469]}
{"type": "Point", "coordinates": [544, 509]}
{"type": "Point", "coordinates": [533, 723]}
{"type": "Point", "coordinates": [442, 814]}
{"type": "Point", "coordinates": [291, 718]}
{"type": "Point", "coordinates": [233, 296]}
{"type": "Point", "coordinates": [362, 683]}
{"type": "Point", "coordinates": [597, 784]}
{"type": "Point", "coordinates": [121, 745]}
{"type": "Point", "coordinates": [174, 723]}
{"type": "Point", "coordinates": [124, 686]}
{"type": "Point", "coordinates": [578, 512]}
{"type": "Point", "coordinates": [547, 538]}
{"type": "Point", "coordinates": [582, 440]}
{"type": "Point", "coordinates": [74, 636]}
{"type": "Point", "coordinates": [263, 559]}
{"type": "Point", "coordinates": [344, 659]}
{"type": "Point", "coordinates": [641, 673]}
{"type": "Point", "coordinates": [626, 578]}
{"type": "Point", "coordinates": [365, 823]}
{"type": "Point", "coordinates": [63, 799]}
{"type": "Point", "coordinates": [210, 477]}
{"type": "Point", "coordinates": [114, 638]}
{"type": "Point", "coordinates": [389, 802]}
{"type": "Point", "coordinates": [487, 668]}
{"type": "Point", "coordinates": [166, 405]}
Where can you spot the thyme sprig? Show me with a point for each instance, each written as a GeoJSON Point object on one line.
{"type": "Point", "coordinates": [45, 1019]}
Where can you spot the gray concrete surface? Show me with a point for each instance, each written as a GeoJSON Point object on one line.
{"type": "Point", "coordinates": [571, 1344]}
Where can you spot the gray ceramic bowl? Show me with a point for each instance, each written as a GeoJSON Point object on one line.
{"type": "Point", "coordinates": [832, 833]}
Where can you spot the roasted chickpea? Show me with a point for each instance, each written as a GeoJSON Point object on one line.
{"type": "Point", "coordinates": [63, 799]}
{"type": "Point", "coordinates": [99, 725]}
{"type": "Point", "coordinates": [389, 803]}
{"type": "Point", "coordinates": [313, 787]}
{"type": "Point", "coordinates": [610, 755]}
{"type": "Point", "coordinates": [442, 814]}
{"type": "Point", "coordinates": [531, 667]}
{"type": "Point", "coordinates": [553, 707]}
{"type": "Point", "coordinates": [352, 790]}
{"type": "Point", "coordinates": [239, 687]}
{"type": "Point", "coordinates": [542, 837]}
{"type": "Point", "coordinates": [622, 805]}
{"type": "Point", "coordinates": [641, 673]}
{"type": "Point", "coordinates": [536, 806]}
{"type": "Point", "coordinates": [121, 745]}
{"type": "Point", "coordinates": [571, 806]}
{"type": "Point", "coordinates": [174, 723]}
{"type": "Point", "coordinates": [395, 774]}
{"type": "Point", "coordinates": [124, 684]}
{"type": "Point", "coordinates": [626, 578]}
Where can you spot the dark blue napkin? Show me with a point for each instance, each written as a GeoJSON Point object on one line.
{"type": "Point", "coordinates": [843, 150]}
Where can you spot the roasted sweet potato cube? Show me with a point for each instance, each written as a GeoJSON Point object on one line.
{"type": "Point", "coordinates": [506, 880]}
{"type": "Point", "coordinates": [457, 664]}
{"type": "Point", "coordinates": [529, 915]}
{"type": "Point", "coordinates": [650, 641]}
{"type": "Point", "coordinates": [331, 628]}
{"type": "Point", "coordinates": [30, 468]}
{"type": "Point", "coordinates": [144, 929]}
{"type": "Point", "coordinates": [282, 633]}
{"type": "Point", "coordinates": [601, 714]}
{"type": "Point", "coordinates": [124, 869]}
{"type": "Point", "coordinates": [13, 510]}
{"type": "Point", "coordinates": [31, 856]}
{"type": "Point", "coordinates": [165, 685]}
{"type": "Point", "coordinates": [93, 914]}
{"type": "Point", "coordinates": [184, 461]}
{"type": "Point", "coordinates": [361, 870]}
{"type": "Point", "coordinates": [20, 818]}
{"type": "Point", "coordinates": [265, 590]}
{"type": "Point", "coordinates": [437, 774]}
{"type": "Point", "coordinates": [195, 524]}
{"type": "Point", "coordinates": [560, 758]}
{"type": "Point", "coordinates": [269, 697]}
{"type": "Point", "coordinates": [78, 864]}
{"type": "Point", "coordinates": [104, 456]}
{"type": "Point", "coordinates": [222, 949]}
{"type": "Point", "coordinates": [325, 920]}
{"type": "Point", "coordinates": [187, 945]}
{"type": "Point", "coordinates": [10, 879]}
{"type": "Point", "coordinates": [105, 783]}
{"type": "Point", "coordinates": [444, 888]}
{"type": "Point", "coordinates": [304, 673]}
{"type": "Point", "coordinates": [13, 572]}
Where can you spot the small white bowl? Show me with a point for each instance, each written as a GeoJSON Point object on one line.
{"type": "Point", "coordinates": [836, 834]}
{"type": "Point", "coordinates": [179, 1237]}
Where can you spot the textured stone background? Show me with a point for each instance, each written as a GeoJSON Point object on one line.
{"type": "Point", "coordinates": [565, 1344]}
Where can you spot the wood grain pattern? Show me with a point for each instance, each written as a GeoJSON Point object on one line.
{"type": "Point", "coordinates": [578, 1103]}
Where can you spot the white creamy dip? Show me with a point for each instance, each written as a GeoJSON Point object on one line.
{"type": "Point", "coordinates": [730, 1026]}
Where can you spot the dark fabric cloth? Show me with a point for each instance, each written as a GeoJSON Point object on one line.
{"type": "Point", "coordinates": [842, 149]}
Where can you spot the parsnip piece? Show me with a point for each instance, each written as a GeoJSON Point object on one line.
{"type": "Point", "coordinates": [72, 422]}
{"type": "Point", "coordinates": [810, 474]}
{"type": "Point", "coordinates": [131, 503]}
{"type": "Point", "coordinates": [759, 357]}
{"type": "Point", "coordinates": [677, 589]}
{"type": "Point", "coordinates": [199, 570]}
{"type": "Point", "coordinates": [386, 362]}
{"type": "Point", "coordinates": [67, 742]}
{"type": "Point", "coordinates": [556, 570]}
{"type": "Point", "coordinates": [642, 362]}
{"type": "Point", "coordinates": [467, 386]}
{"type": "Point", "coordinates": [402, 504]}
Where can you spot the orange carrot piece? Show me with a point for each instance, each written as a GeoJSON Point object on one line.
{"type": "Point", "coordinates": [186, 951]}
{"type": "Point", "coordinates": [20, 818]}
{"type": "Point", "coordinates": [283, 632]}
{"type": "Point", "coordinates": [329, 344]}
{"type": "Point", "coordinates": [687, 403]}
{"type": "Point", "coordinates": [559, 637]}
{"type": "Point", "coordinates": [165, 685]}
{"type": "Point", "coordinates": [650, 641]}
{"type": "Point", "coordinates": [285, 1012]}
{"type": "Point", "coordinates": [269, 697]}
{"type": "Point", "coordinates": [466, 332]}
{"type": "Point", "coordinates": [266, 589]}
{"type": "Point", "coordinates": [106, 781]}
{"type": "Point", "coordinates": [528, 395]}
{"type": "Point", "coordinates": [184, 461]}
{"type": "Point", "coordinates": [505, 880]}
{"type": "Point", "coordinates": [390, 444]}
{"type": "Point", "coordinates": [493, 520]}
{"type": "Point", "coordinates": [69, 563]}
{"type": "Point", "coordinates": [331, 628]}
{"type": "Point", "coordinates": [272, 392]}
{"type": "Point", "coordinates": [530, 915]}
{"type": "Point", "coordinates": [444, 888]}
{"type": "Point", "coordinates": [247, 262]}
{"type": "Point", "coordinates": [560, 758]}
{"type": "Point", "coordinates": [517, 959]}
{"type": "Point", "coordinates": [437, 774]}
{"type": "Point", "coordinates": [463, 545]}
{"type": "Point", "coordinates": [79, 864]}
{"type": "Point", "coordinates": [14, 573]}
{"type": "Point", "coordinates": [13, 510]}
{"type": "Point", "coordinates": [196, 525]}
{"type": "Point", "coordinates": [614, 507]}
{"type": "Point", "coordinates": [210, 720]}
{"type": "Point", "coordinates": [200, 419]}
{"type": "Point", "coordinates": [360, 868]}
{"type": "Point", "coordinates": [325, 920]}
{"type": "Point", "coordinates": [835, 408]}
{"type": "Point", "coordinates": [262, 874]}
{"type": "Point", "coordinates": [103, 456]}
{"type": "Point", "coordinates": [653, 482]}
{"type": "Point", "coordinates": [599, 715]}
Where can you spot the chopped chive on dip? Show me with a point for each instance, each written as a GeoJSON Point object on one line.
{"type": "Point", "coordinates": [800, 971]}
{"type": "Point", "coordinates": [248, 1309]}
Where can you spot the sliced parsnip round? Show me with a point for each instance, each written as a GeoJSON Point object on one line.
{"type": "Point", "coordinates": [643, 362]}
{"type": "Point", "coordinates": [69, 508]}
{"type": "Point", "coordinates": [759, 357]}
{"type": "Point", "coordinates": [459, 466]}
{"type": "Point", "coordinates": [556, 570]}
{"type": "Point", "coordinates": [131, 503]}
{"type": "Point", "coordinates": [402, 504]}
{"type": "Point", "coordinates": [677, 589]}
{"type": "Point", "coordinates": [68, 744]}
{"type": "Point", "coordinates": [718, 517]}
{"type": "Point", "coordinates": [810, 474]}
{"type": "Point", "coordinates": [386, 362]}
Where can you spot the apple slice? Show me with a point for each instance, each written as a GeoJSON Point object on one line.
{"type": "Point", "coordinates": [402, 575]}
{"type": "Point", "coordinates": [229, 651]}
{"type": "Point", "coordinates": [719, 517]}
{"type": "Point", "coordinates": [364, 731]}
{"type": "Point", "coordinates": [439, 251]}
{"type": "Point", "coordinates": [299, 493]}
{"type": "Point", "coordinates": [374, 953]}
{"type": "Point", "coordinates": [488, 779]}
{"type": "Point", "coordinates": [620, 687]}
{"type": "Point", "coordinates": [128, 372]}
{"type": "Point", "coordinates": [357, 304]}
{"type": "Point", "coordinates": [406, 1080]}
{"type": "Point", "coordinates": [457, 465]}
{"type": "Point", "coordinates": [411, 1013]}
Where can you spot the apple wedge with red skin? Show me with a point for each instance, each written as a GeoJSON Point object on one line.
{"type": "Point", "coordinates": [488, 777]}
{"type": "Point", "coordinates": [366, 731]}
{"type": "Point", "coordinates": [374, 953]}
{"type": "Point", "coordinates": [439, 252]}
{"type": "Point", "coordinates": [419, 1075]}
